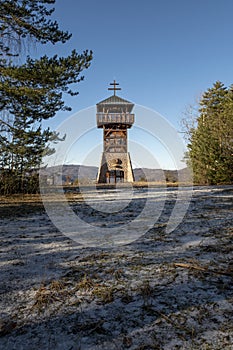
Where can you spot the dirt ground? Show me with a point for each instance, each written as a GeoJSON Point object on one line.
{"type": "Point", "coordinates": [163, 291]}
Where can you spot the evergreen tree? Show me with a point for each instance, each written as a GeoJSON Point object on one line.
{"type": "Point", "coordinates": [210, 147]}
{"type": "Point", "coordinates": [23, 19]}
{"type": "Point", "coordinates": [33, 91]}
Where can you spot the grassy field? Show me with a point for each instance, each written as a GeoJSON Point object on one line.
{"type": "Point", "coordinates": [163, 291]}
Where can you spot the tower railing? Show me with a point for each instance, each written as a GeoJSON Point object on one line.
{"type": "Point", "coordinates": [114, 118]}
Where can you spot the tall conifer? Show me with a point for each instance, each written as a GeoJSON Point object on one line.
{"type": "Point", "coordinates": [32, 91]}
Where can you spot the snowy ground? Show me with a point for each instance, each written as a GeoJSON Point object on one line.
{"type": "Point", "coordinates": [162, 291]}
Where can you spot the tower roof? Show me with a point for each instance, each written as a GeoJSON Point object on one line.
{"type": "Point", "coordinates": [115, 100]}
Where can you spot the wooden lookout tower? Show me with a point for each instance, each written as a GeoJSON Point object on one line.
{"type": "Point", "coordinates": [114, 116]}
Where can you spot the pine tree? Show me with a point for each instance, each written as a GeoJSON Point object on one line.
{"type": "Point", "coordinates": [33, 91]}
{"type": "Point", "coordinates": [210, 147]}
{"type": "Point", "coordinates": [23, 19]}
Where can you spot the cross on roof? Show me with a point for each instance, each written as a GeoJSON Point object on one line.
{"type": "Point", "coordinates": [114, 87]}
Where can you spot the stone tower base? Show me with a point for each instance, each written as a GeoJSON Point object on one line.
{"type": "Point", "coordinates": [115, 167]}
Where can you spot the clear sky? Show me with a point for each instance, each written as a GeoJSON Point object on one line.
{"type": "Point", "coordinates": [164, 53]}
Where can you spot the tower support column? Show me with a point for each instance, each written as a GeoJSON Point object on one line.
{"type": "Point", "coordinates": [114, 168]}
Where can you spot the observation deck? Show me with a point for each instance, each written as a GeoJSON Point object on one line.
{"type": "Point", "coordinates": [111, 119]}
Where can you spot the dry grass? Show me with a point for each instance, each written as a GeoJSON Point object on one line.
{"type": "Point", "coordinates": [207, 269]}
{"type": "Point", "coordinates": [105, 294]}
{"type": "Point", "coordinates": [56, 291]}
{"type": "Point", "coordinates": [85, 284]}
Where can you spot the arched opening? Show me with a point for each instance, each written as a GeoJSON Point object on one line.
{"type": "Point", "coordinates": [115, 176]}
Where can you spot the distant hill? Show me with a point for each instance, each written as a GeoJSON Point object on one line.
{"type": "Point", "coordinates": [88, 174]}
{"type": "Point", "coordinates": [71, 173]}
{"type": "Point", "coordinates": [151, 175]}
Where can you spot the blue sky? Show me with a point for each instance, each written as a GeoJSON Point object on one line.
{"type": "Point", "coordinates": [164, 53]}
